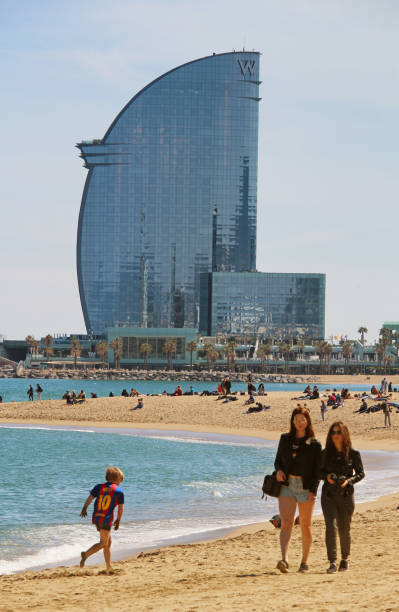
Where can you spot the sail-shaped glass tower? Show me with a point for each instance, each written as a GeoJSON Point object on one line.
{"type": "Point", "coordinates": [170, 194]}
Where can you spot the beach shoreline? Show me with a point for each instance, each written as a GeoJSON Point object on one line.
{"type": "Point", "coordinates": [178, 576]}
{"type": "Point", "coordinates": [361, 443]}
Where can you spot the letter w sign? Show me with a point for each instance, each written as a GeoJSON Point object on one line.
{"type": "Point", "coordinates": [247, 65]}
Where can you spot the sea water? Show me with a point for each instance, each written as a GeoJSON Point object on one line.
{"type": "Point", "coordinates": [177, 485]}
{"type": "Point", "coordinates": [15, 389]}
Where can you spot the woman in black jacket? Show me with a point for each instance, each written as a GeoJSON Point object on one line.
{"type": "Point", "coordinates": [297, 468]}
{"type": "Point", "coordinates": [341, 468]}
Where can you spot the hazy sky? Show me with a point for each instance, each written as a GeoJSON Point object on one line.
{"type": "Point", "coordinates": [328, 147]}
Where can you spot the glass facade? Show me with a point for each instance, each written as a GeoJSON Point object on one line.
{"type": "Point", "coordinates": [262, 302]}
{"type": "Point", "coordinates": [170, 195]}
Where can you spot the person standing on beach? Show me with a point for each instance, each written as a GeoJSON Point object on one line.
{"type": "Point", "coordinates": [297, 467]}
{"type": "Point", "coordinates": [323, 409]}
{"type": "Point", "coordinates": [39, 391]}
{"type": "Point", "coordinates": [107, 496]}
{"type": "Point", "coordinates": [30, 393]}
{"type": "Point", "coordinates": [341, 468]}
{"type": "Point", "coordinates": [386, 409]}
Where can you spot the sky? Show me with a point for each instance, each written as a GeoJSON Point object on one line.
{"type": "Point", "coordinates": [328, 177]}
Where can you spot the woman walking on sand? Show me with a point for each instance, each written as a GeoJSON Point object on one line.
{"type": "Point", "coordinates": [297, 465]}
{"type": "Point", "coordinates": [341, 468]}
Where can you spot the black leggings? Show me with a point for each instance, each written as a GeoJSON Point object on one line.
{"type": "Point", "coordinates": [338, 509]}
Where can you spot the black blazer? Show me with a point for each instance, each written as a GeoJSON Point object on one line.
{"type": "Point", "coordinates": [311, 475]}
{"type": "Point", "coordinates": [351, 467]}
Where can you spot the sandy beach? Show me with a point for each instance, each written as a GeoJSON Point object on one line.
{"type": "Point", "coordinates": [236, 572]}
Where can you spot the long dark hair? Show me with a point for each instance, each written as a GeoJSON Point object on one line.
{"type": "Point", "coordinates": [346, 439]}
{"type": "Point", "coordinates": [309, 428]}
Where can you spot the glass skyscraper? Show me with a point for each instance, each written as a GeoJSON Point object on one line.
{"type": "Point", "coordinates": [261, 302]}
{"type": "Point", "coordinates": [170, 195]}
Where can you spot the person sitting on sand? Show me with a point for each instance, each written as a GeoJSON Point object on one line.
{"type": "Point", "coordinates": [111, 394]}
{"type": "Point", "coordinates": [315, 393]}
{"type": "Point", "coordinates": [307, 390]}
{"type": "Point", "coordinates": [82, 395]}
{"type": "Point", "coordinates": [107, 496]}
{"type": "Point", "coordinates": [133, 392]}
{"type": "Point", "coordinates": [124, 393]}
{"type": "Point", "coordinates": [374, 390]}
{"type": "Point", "coordinates": [261, 389]}
{"type": "Point", "coordinates": [178, 390]}
{"type": "Point", "coordinates": [93, 395]}
{"type": "Point", "coordinates": [140, 404]}
{"type": "Point", "coordinates": [189, 392]}
{"type": "Point", "coordinates": [363, 406]}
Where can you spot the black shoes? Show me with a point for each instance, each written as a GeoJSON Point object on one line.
{"type": "Point", "coordinates": [332, 569]}
{"type": "Point", "coordinates": [282, 566]}
{"type": "Point", "coordinates": [303, 568]}
{"type": "Point", "coordinates": [343, 566]}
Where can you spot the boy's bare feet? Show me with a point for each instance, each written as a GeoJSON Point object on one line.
{"type": "Point", "coordinates": [82, 558]}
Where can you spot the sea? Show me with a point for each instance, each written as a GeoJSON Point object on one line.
{"type": "Point", "coordinates": [15, 389]}
{"type": "Point", "coordinates": [179, 487]}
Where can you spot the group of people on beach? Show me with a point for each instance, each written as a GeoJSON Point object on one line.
{"type": "Point", "coordinates": [300, 464]}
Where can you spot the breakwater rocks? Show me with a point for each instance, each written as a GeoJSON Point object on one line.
{"type": "Point", "coordinates": [162, 375]}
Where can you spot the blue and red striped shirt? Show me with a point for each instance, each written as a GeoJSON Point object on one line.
{"type": "Point", "coordinates": [108, 495]}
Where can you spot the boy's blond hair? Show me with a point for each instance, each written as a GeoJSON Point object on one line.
{"type": "Point", "coordinates": [113, 473]}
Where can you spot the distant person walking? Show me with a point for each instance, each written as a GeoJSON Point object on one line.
{"type": "Point", "coordinates": [386, 409]}
{"type": "Point", "coordinates": [323, 409]}
{"type": "Point", "coordinates": [384, 386]}
{"type": "Point", "coordinates": [39, 391]}
{"type": "Point", "coordinates": [30, 393]}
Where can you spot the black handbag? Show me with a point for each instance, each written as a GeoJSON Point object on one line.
{"type": "Point", "coordinates": [271, 486]}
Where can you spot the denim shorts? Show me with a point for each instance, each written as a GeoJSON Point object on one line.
{"type": "Point", "coordinates": [295, 490]}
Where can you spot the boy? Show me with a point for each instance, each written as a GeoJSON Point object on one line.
{"type": "Point", "coordinates": [107, 496]}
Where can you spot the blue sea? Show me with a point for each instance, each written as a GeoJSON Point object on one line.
{"type": "Point", "coordinates": [15, 389]}
{"type": "Point", "coordinates": [179, 486]}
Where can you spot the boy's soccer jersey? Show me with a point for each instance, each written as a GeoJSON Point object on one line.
{"type": "Point", "coordinates": [108, 495]}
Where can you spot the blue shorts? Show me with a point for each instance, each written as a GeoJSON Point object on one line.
{"type": "Point", "coordinates": [295, 490]}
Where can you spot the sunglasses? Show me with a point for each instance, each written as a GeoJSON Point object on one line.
{"type": "Point", "coordinates": [336, 432]}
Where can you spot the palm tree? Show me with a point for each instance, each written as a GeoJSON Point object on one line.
{"type": "Point", "coordinates": [230, 352]}
{"type": "Point", "coordinates": [380, 350]}
{"type": "Point", "coordinates": [212, 356]}
{"type": "Point", "coordinates": [76, 350]}
{"type": "Point", "coordinates": [388, 360]}
{"type": "Point", "coordinates": [36, 346]}
{"type": "Point", "coordinates": [116, 345]}
{"type": "Point", "coordinates": [385, 336]}
{"type": "Point", "coordinates": [169, 349]}
{"type": "Point", "coordinates": [301, 345]}
{"type": "Point", "coordinates": [264, 352]}
{"type": "Point", "coordinates": [328, 349]}
{"type": "Point", "coordinates": [102, 350]}
{"type": "Point", "coordinates": [48, 341]}
{"type": "Point", "coordinates": [285, 351]}
{"type": "Point", "coordinates": [347, 352]}
{"type": "Point", "coordinates": [30, 341]}
{"type": "Point", "coordinates": [145, 350]}
{"type": "Point", "coordinates": [362, 330]}
{"type": "Point", "coordinates": [192, 347]}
